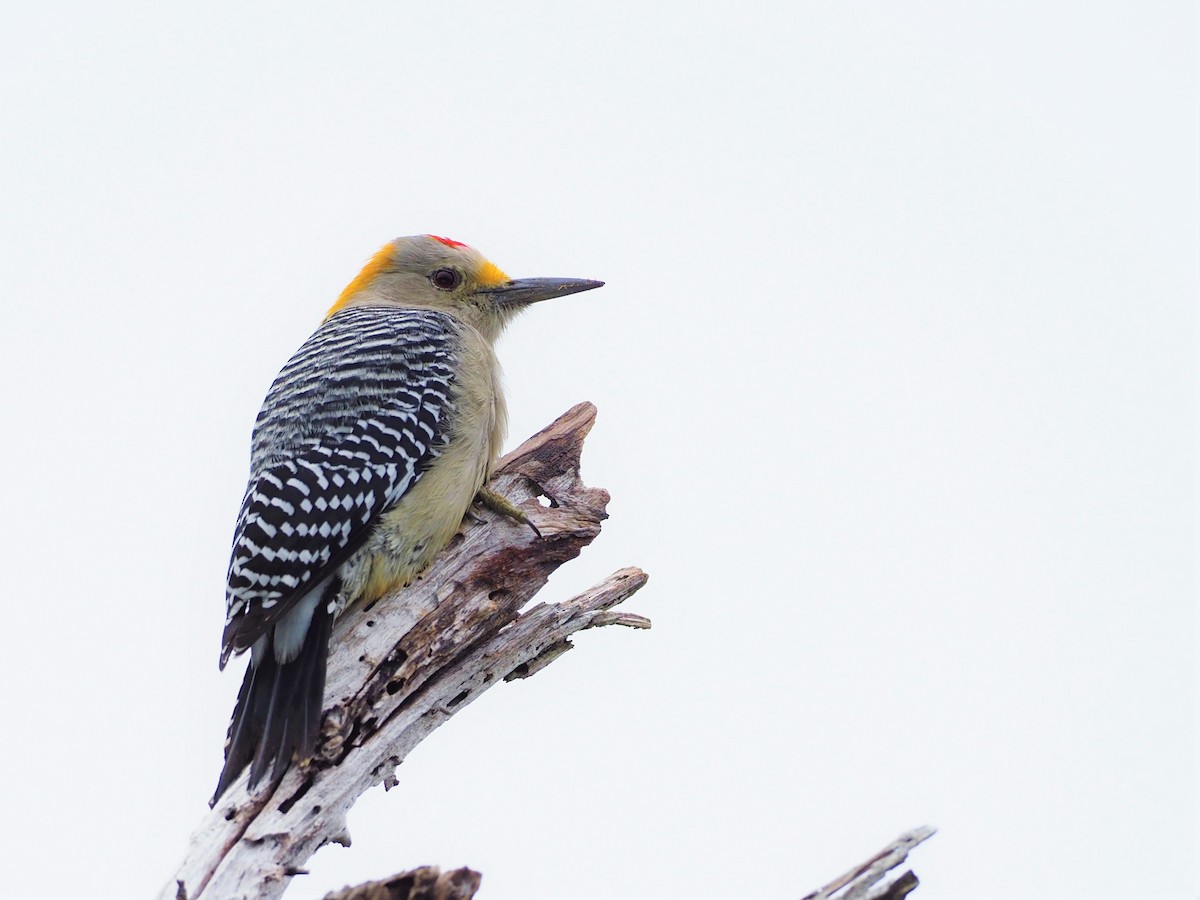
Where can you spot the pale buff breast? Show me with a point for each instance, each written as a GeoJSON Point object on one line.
{"type": "Point", "coordinates": [415, 530]}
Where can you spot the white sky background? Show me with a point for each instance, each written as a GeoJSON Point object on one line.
{"type": "Point", "coordinates": [897, 388]}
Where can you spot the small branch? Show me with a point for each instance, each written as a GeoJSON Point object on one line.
{"type": "Point", "coordinates": [860, 882]}
{"type": "Point", "coordinates": [402, 667]}
{"type": "Point", "coordinates": [425, 883]}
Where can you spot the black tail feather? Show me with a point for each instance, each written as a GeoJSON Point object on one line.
{"type": "Point", "coordinates": [278, 711]}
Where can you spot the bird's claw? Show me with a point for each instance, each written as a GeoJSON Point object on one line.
{"type": "Point", "coordinates": [501, 505]}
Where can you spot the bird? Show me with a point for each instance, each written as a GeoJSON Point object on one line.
{"type": "Point", "coordinates": [369, 449]}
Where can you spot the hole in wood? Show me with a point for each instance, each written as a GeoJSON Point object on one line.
{"type": "Point", "coordinates": [542, 495]}
{"type": "Point", "coordinates": [291, 801]}
{"type": "Point", "coordinates": [395, 685]}
{"type": "Point", "coordinates": [454, 701]}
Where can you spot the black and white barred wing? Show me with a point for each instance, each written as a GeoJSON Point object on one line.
{"type": "Point", "coordinates": [349, 426]}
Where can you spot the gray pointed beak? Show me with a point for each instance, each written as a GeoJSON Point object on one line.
{"type": "Point", "coordinates": [523, 291]}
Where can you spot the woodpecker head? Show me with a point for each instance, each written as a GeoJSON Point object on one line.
{"type": "Point", "coordinates": [438, 273]}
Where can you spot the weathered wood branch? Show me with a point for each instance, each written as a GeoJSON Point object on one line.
{"type": "Point", "coordinates": [401, 668]}
{"type": "Point", "coordinates": [862, 882]}
{"type": "Point", "coordinates": [425, 883]}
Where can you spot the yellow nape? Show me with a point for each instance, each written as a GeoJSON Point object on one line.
{"type": "Point", "coordinates": [377, 264]}
{"type": "Point", "coordinates": [490, 276]}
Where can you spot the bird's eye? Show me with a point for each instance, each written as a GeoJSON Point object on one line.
{"type": "Point", "coordinates": [445, 279]}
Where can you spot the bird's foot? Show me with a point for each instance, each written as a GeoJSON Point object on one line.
{"type": "Point", "coordinates": [501, 505]}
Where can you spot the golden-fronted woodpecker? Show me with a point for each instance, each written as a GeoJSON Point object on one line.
{"type": "Point", "coordinates": [369, 449]}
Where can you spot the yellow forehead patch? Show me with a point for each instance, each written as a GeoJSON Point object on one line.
{"type": "Point", "coordinates": [377, 264]}
{"type": "Point", "coordinates": [490, 276]}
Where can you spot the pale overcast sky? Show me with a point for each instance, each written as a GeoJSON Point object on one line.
{"type": "Point", "coordinates": [896, 371]}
